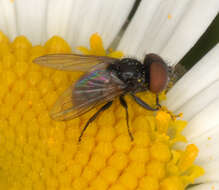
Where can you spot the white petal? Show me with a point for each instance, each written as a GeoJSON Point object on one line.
{"type": "Point", "coordinates": [207, 186]}
{"type": "Point", "coordinates": [206, 120]}
{"type": "Point", "coordinates": [150, 28]}
{"type": "Point", "coordinates": [58, 15]}
{"type": "Point", "coordinates": [208, 144]}
{"type": "Point", "coordinates": [31, 19]}
{"type": "Point", "coordinates": [104, 17]}
{"type": "Point", "coordinates": [211, 172]}
{"type": "Point", "coordinates": [169, 27]}
{"type": "Point", "coordinates": [2, 21]}
{"type": "Point", "coordinates": [7, 18]}
{"type": "Point", "coordinates": [199, 101]}
{"type": "Point", "coordinates": [198, 16]}
{"type": "Point", "coordinates": [202, 75]}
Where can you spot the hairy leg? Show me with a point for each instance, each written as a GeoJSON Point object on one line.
{"type": "Point", "coordinates": [144, 104]}
{"type": "Point", "coordinates": [124, 104]}
{"type": "Point", "coordinates": [103, 108]}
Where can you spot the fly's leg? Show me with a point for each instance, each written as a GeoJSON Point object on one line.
{"type": "Point", "coordinates": [103, 108]}
{"type": "Point", "coordinates": [158, 102]}
{"type": "Point", "coordinates": [124, 104]}
{"type": "Point", "coordinates": [144, 104]}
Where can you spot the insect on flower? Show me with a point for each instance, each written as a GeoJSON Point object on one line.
{"type": "Point", "coordinates": [105, 79]}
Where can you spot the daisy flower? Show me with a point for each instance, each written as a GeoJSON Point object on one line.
{"type": "Point", "coordinates": [167, 153]}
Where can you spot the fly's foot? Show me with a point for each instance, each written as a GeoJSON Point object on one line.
{"type": "Point", "coordinates": [172, 115]}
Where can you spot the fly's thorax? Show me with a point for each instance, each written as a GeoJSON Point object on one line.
{"type": "Point", "coordinates": [131, 72]}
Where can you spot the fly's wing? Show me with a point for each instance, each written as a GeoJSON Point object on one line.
{"type": "Point", "coordinates": [72, 62]}
{"type": "Point", "coordinates": [93, 88]}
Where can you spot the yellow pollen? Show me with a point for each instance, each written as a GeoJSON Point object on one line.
{"type": "Point", "coordinates": [188, 157]}
{"type": "Point", "coordinates": [40, 153]}
{"type": "Point", "coordinates": [169, 16]}
{"type": "Point", "coordinates": [173, 116]}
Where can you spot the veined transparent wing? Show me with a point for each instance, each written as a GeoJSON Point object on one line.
{"type": "Point", "coordinates": [93, 88]}
{"type": "Point", "coordinates": [72, 62]}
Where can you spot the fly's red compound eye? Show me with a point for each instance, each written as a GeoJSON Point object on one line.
{"type": "Point", "coordinates": [156, 71]}
{"type": "Point", "coordinates": [158, 77]}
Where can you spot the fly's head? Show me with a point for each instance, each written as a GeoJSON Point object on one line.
{"type": "Point", "coordinates": [157, 73]}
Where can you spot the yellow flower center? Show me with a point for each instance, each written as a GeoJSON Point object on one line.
{"type": "Point", "coordinates": [39, 153]}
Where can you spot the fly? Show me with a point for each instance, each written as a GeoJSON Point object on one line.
{"type": "Point", "coordinates": [104, 79]}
